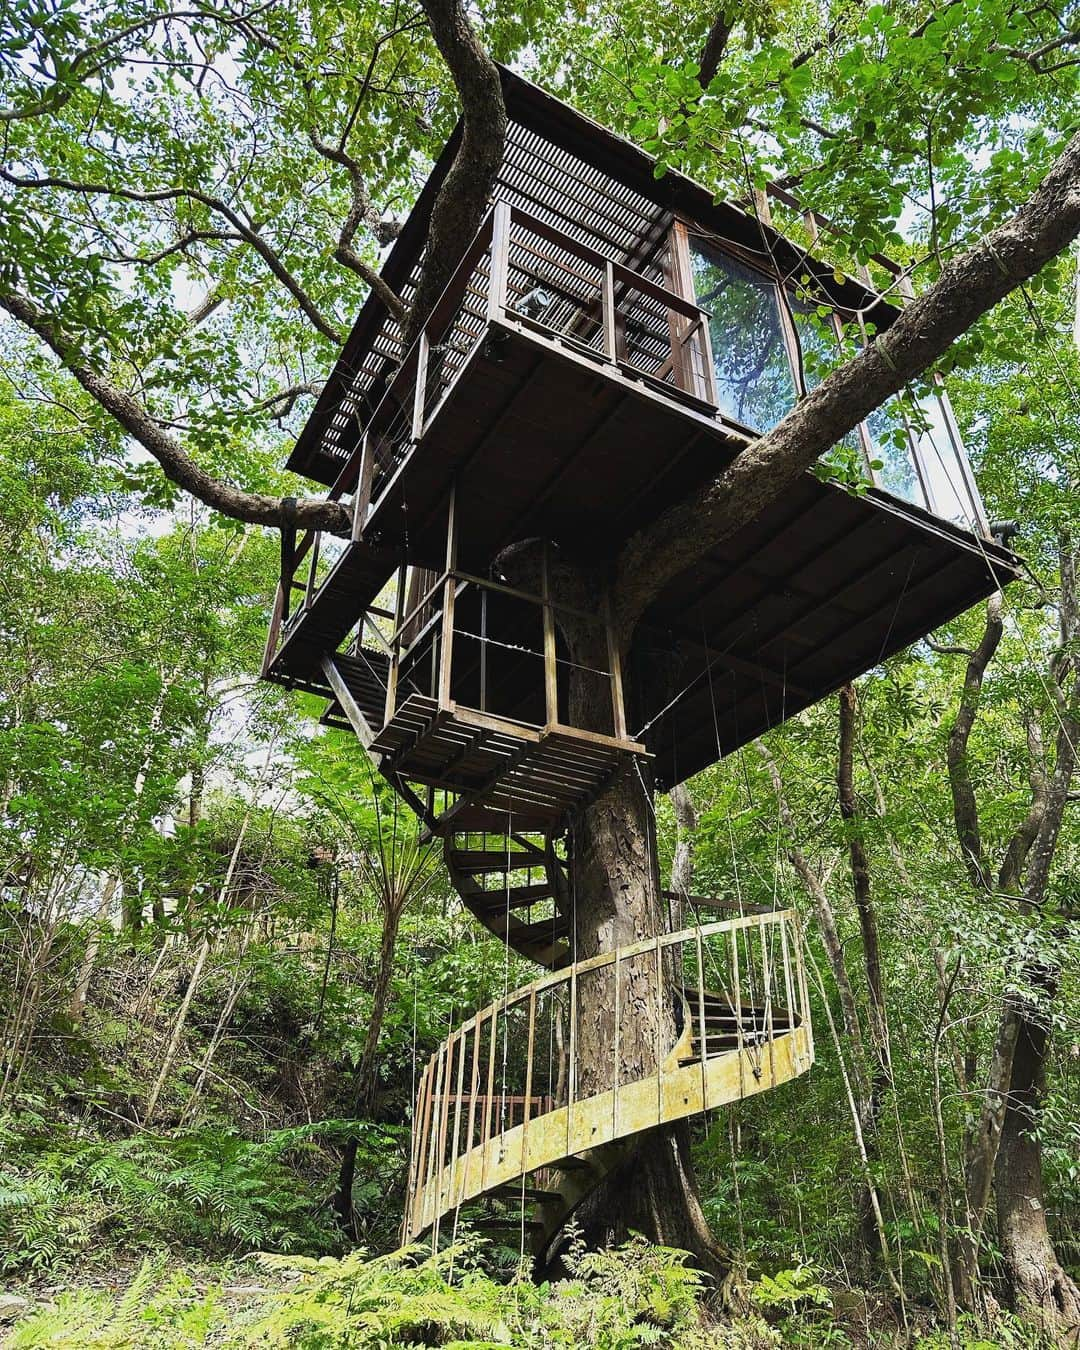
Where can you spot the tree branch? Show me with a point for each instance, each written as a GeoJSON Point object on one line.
{"type": "Point", "coordinates": [965, 805]}
{"type": "Point", "coordinates": [715, 45]}
{"type": "Point", "coordinates": [248, 234]}
{"type": "Point", "coordinates": [463, 197]}
{"type": "Point", "coordinates": [362, 212]}
{"type": "Point", "coordinates": [968, 286]}
{"type": "Point", "coordinates": [254, 507]}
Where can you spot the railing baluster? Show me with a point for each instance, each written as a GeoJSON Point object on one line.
{"type": "Point", "coordinates": [444, 1123]}
{"type": "Point", "coordinates": [789, 992]}
{"type": "Point", "coordinates": [607, 303]}
{"type": "Point", "coordinates": [432, 1165]}
{"type": "Point", "coordinates": [490, 1089]}
{"type": "Point", "coordinates": [737, 1005]}
{"type": "Point", "coordinates": [618, 1050]}
{"type": "Point", "coordinates": [659, 1035]}
{"type": "Point", "coordinates": [767, 981]}
{"type": "Point", "coordinates": [455, 1158]}
{"type": "Point", "coordinates": [474, 1083]}
{"type": "Point", "coordinates": [703, 1040]}
{"type": "Point", "coordinates": [528, 1084]}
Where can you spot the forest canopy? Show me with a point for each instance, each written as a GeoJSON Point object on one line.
{"type": "Point", "coordinates": [226, 950]}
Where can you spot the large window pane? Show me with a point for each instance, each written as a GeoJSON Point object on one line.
{"type": "Point", "coordinates": [754, 384]}
{"type": "Point", "coordinates": [941, 472]}
{"type": "Point", "coordinates": [892, 446]}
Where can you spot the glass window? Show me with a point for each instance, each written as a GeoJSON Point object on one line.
{"type": "Point", "coordinates": [818, 344]}
{"type": "Point", "coordinates": [938, 462]}
{"type": "Point", "coordinates": [754, 384]}
{"type": "Point", "coordinates": [892, 446]}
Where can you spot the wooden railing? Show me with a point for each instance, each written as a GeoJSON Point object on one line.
{"type": "Point", "coordinates": [527, 1082]}
{"type": "Point", "coordinates": [457, 637]}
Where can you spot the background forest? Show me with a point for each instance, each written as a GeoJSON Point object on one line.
{"type": "Point", "coordinates": [223, 958]}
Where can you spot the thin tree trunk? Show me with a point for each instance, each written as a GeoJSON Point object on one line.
{"type": "Point", "coordinates": [1037, 1282]}
{"type": "Point", "coordinates": [367, 1076]}
{"type": "Point", "coordinates": [880, 1075]}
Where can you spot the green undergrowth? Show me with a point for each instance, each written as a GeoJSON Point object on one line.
{"type": "Point", "coordinates": [638, 1295]}
{"type": "Point", "coordinates": [70, 1198]}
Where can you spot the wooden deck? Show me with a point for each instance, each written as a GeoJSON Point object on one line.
{"type": "Point", "coordinates": [541, 773]}
{"type": "Point", "coordinates": [542, 1155]}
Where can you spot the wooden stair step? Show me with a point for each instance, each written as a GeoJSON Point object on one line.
{"type": "Point", "coordinates": [488, 860]}
{"type": "Point", "coordinates": [530, 1194]}
{"type": "Point", "coordinates": [516, 897]}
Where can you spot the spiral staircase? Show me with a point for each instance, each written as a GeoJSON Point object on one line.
{"type": "Point", "coordinates": [509, 1127]}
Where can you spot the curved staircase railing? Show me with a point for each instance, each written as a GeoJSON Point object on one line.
{"type": "Point", "coordinates": [523, 1105]}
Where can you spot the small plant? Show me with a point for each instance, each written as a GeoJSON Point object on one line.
{"type": "Point", "coordinates": [789, 1289]}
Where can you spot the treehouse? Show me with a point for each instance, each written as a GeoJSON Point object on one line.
{"type": "Point", "coordinates": [608, 343]}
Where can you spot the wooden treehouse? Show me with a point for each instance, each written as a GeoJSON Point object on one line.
{"type": "Point", "coordinates": [608, 343]}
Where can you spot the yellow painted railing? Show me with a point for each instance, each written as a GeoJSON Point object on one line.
{"type": "Point", "coordinates": [720, 1012]}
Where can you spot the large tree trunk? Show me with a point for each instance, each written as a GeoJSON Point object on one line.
{"type": "Point", "coordinates": [616, 899]}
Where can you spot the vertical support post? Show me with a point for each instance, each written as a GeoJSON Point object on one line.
{"type": "Point", "coordinates": [446, 646]}
{"type": "Point", "coordinates": [703, 1042]}
{"type": "Point", "coordinates": [423, 349]}
{"type": "Point", "coordinates": [288, 568]}
{"type": "Point", "coordinates": [551, 669]}
{"type": "Point", "coordinates": [395, 651]}
{"type": "Point", "coordinates": [707, 360]}
{"type": "Point", "coordinates": [362, 496]}
{"type": "Point", "coordinates": [607, 307]}
{"type": "Point", "coordinates": [313, 569]}
{"type": "Point", "coordinates": [618, 705]}
{"type": "Point", "coordinates": [500, 261]}
{"type": "Point", "coordinates": [483, 649]}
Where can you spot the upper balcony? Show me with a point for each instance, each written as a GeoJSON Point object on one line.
{"type": "Point", "coordinates": [572, 397]}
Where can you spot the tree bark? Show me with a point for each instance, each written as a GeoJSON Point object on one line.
{"type": "Point", "coordinates": [615, 895]}
{"type": "Point", "coordinates": [880, 1073]}
{"type": "Point", "coordinates": [1037, 1283]}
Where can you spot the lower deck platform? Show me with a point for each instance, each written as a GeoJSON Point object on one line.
{"type": "Point", "coordinates": [541, 773]}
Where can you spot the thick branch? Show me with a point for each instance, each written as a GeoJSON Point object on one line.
{"type": "Point", "coordinates": [968, 286]}
{"type": "Point", "coordinates": [463, 197]}
{"type": "Point", "coordinates": [715, 45]}
{"type": "Point", "coordinates": [254, 507]}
